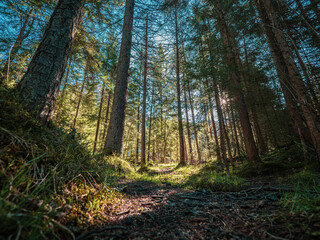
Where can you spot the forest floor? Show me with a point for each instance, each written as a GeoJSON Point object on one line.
{"type": "Point", "coordinates": [161, 210]}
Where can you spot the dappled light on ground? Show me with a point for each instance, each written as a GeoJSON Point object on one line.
{"type": "Point", "coordinates": [155, 210]}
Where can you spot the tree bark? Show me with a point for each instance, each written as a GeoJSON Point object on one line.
{"type": "Point", "coordinates": [98, 121]}
{"type": "Point", "coordinates": [313, 124]}
{"type": "Point", "coordinates": [183, 157]}
{"type": "Point", "coordinates": [39, 86]}
{"type": "Point", "coordinates": [188, 125]}
{"type": "Point", "coordinates": [114, 140]}
{"type": "Point", "coordinates": [288, 91]}
{"type": "Point", "coordinates": [150, 123]}
{"type": "Point", "coordinates": [194, 125]}
{"type": "Point", "coordinates": [106, 117]}
{"type": "Point", "coordinates": [144, 100]}
{"type": "Point", "coordinates": [138, 130]}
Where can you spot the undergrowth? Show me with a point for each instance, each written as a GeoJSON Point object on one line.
{"type": "Point", "coordinates": [306, 195]}
{"type": "Point", "coordinates": [286, 160]}
{"type": "Point", "coordinates": [202, 176]}
{"type": "Point", "coordinates": [49, 181]}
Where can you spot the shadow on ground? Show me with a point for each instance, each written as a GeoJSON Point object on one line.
{"type": "Point", "coordinates": [163, 211]}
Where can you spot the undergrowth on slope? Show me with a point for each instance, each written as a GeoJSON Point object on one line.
{"type": "Point", "coordinates": [284, 160]}
{"type": "Point", "coordinates": [49, 181]}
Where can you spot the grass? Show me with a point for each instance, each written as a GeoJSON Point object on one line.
{"type": "Point", "coordinates": [200, 176]}
{"type": "Point", "coordinates": [49, 181]}
{"type": "Point", "coordinates": [286, 160]}
{"type": "Point", "coordinates": [306, 195]}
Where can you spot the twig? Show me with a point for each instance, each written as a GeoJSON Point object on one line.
{"type": "Point", "coordinates": [122, 213]}
{"type": "Point", "coordinates": [192, 198]}
{"type": "Point", "coordinates": [275, 237]}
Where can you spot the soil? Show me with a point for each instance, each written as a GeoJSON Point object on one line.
{"type": "Point", "coordinates": [163, 211]}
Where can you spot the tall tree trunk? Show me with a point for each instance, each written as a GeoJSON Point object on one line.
{"type": "Point", "coordinates": [106, 117]}
{"type": "Point", "coordinates": [183, 157]}
{"type": "Point", "coordinates": [144, 100]}
{"type": "Point", "coordinates": [117, 118]}
{"type": "Point", "coordinates": [308, 111]}
{"type": "Point", "coordinates": [217, 147]}
{"type": "Point", "coordinates": [138, 130]}
{"type": "Point", "coordinates": [98, 121]}
{"type": "Point", "coordinates": [215, 134]}
{"type": "Point", "coordinates": [304, 69]}
{"type": "Point", "coordinates": [39, 86]}
{"type": "Point", "coordinates": [80, 96]}
{"type": "Point", "coordinates": [188, 125]}
{"type": "Point", "coordinates": [194, 125]}
{"type": "Point", "coordinates": [235, 133]}
{"type": "Point", "coordinates": [251, 149]}
{"type": "Point", "coordinates": [251, 105]}
{"type": "Point", "coordinates": [225, 126]}
{"type": "Point", "coordinates": [150, 122]}
{"type": "Point", "coordinates": [206, 117]}
{"type": "Point", "coordinates": [286, 86]}
{"type": "Point", "coordinates": [165, 139]}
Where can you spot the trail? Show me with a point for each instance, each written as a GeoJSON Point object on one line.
{"type": "Point", "coordinates": [163, 211]}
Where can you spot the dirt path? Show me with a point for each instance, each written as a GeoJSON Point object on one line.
{"type": "Point", "coordinates": [163, 211]}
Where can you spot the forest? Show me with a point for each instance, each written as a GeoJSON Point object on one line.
{"type": "Point", "coordinates": [159, 119]}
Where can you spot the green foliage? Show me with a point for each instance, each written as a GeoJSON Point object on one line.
{"type": "Point", "coordinates": [285, 159]}
{"type": "Point", "coordinates": [49, 179]}
{"type": "Point", "coordinates": [306, 195]}
{"type": "Point", "coordinates": [207, 178]}
{"type": "Point", "coordinates": [201, 176]}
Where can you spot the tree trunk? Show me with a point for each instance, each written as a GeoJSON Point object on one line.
{"type": "Point", "coordinates": [138, 130]}
{"type": "Point", "coordinates": [306, 105]}
{"type": "Point", "coordinates": [188, 125]}
{"type": "Point", "coordinates": [183, 158]}
{"type": "Point", "coordinates": [225, 126]}
{"type": "Point", "coordinates": [289, 93]}
{"type": "Point", "coordinates": [251, 149]}
{"type": "Point", "coordinates": [80, 96]}
{"type": "Point", "coordinates": [98, 122]}
{"type": "Point", "coordinates": [215, 134]}
{"type": "Point", "coordinates": [206, 113]}
{"type": "Point", "coordinates": [235, 132]}
{"type": "Point", "coordinates": [165, 139]}
{"type": "Point", "coordinates": [194, 125]}
{"type": "Point", "coordinates": [308, 111]}
{"type": "Point", "coordinates": [39, 86]}
{"type": "Point", "coordinates": [114, 138]}
{"type": "Point", "coordinates": [144, 100]}
{"type": "Point", "coordinates": [106, 117]}
{"type": "Point", "coordinates": [150, 123]}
